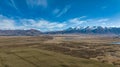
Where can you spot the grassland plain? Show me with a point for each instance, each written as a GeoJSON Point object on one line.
{"type": "Point", "coordinates": [32, 57]}
{"type": "Point", "coordinates": [46, 51]}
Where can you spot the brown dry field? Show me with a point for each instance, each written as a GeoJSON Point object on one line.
{"type": "Point", "coordinates": [97, 49]}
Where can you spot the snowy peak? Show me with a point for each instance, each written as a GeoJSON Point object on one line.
{"type": "Point", "coordinates": [88, 27]}
{"type": "Point", "coordinates": [88, 30]}
{"type": "Point", "coordinates": [93, 30]}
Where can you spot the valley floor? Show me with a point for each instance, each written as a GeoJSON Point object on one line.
{"type": "Point", "coordinates": [59, 51]}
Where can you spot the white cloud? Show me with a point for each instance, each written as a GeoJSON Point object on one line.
{"type": "Point", "coordinates": [41, 24]}
{"type": "Point", "coordinates": [44, 25]}
{"type": "Point", "coordinates": [36, 3]}
{"type": "Point", "coordinates": [83, 17]}
{"type": "Point", "coordinates": [97, 22]}
{"type": "Point", "coordinates": [56, 11]}
{"type": "Point", "coordinates": [82, 21]}
{"type": "Point", "coordinates": [77, 21]}
{"type": "Point", "coordinates": [13, 4]}
{"type": "Point", "coordinates": [6, 23]}
{"type": "Point", "coordinates": [64, 10]}
{"type": "Point", "coordinates": [103, 20]}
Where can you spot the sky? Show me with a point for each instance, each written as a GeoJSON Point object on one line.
{"type": "Point", "coordinates": [52, 15]}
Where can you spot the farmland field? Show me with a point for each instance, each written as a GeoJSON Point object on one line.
{"type": "Point", "coordinates": [59, 51]}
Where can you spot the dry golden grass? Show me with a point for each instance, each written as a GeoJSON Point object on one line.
{"type": "Point", "coordinates": [58, 51]}
{"type": "Point", "coordinates": [32, 57]}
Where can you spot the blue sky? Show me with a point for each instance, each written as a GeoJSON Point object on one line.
{"type": "Point", "coordinates": [49, 15]}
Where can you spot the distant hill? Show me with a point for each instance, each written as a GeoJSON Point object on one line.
{"type": "Point", "coordinates": [31, 32]}
{"type": "Point", "coordinates": [71, 30]}
{"type": "Point", "coordinates": [88, 30]}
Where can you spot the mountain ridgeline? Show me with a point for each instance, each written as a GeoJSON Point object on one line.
{"type": "Point", "coordinates": [31, 32]}
{"type": "Point", "coordinates": [71, 30]}
{"type": "Point", "coordinates": [89, 30]}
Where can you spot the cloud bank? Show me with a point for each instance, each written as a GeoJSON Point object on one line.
{"type": "Point", "coordinates": [41, 24]}
{"type": "Point", "coordinates": [45, 25]}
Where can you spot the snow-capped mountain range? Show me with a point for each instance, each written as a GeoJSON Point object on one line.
{"type": "Point", "coordinates": [71, 30]}
{"type": "Point", "coordinates": [89, 30]}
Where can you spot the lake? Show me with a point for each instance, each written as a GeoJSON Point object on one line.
{"type": "Point", "coordinates": [116, 43]}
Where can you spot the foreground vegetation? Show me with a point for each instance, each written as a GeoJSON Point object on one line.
{"type": "Point", "coordinates": [32, 57]}
{"type": "Point", "coordinates": [54, 51]}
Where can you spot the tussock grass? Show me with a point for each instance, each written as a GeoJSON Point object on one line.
{"type": "Point", "coordinates": [45, 52]}
{"type": "Point", "coordinates": [33, 57]}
